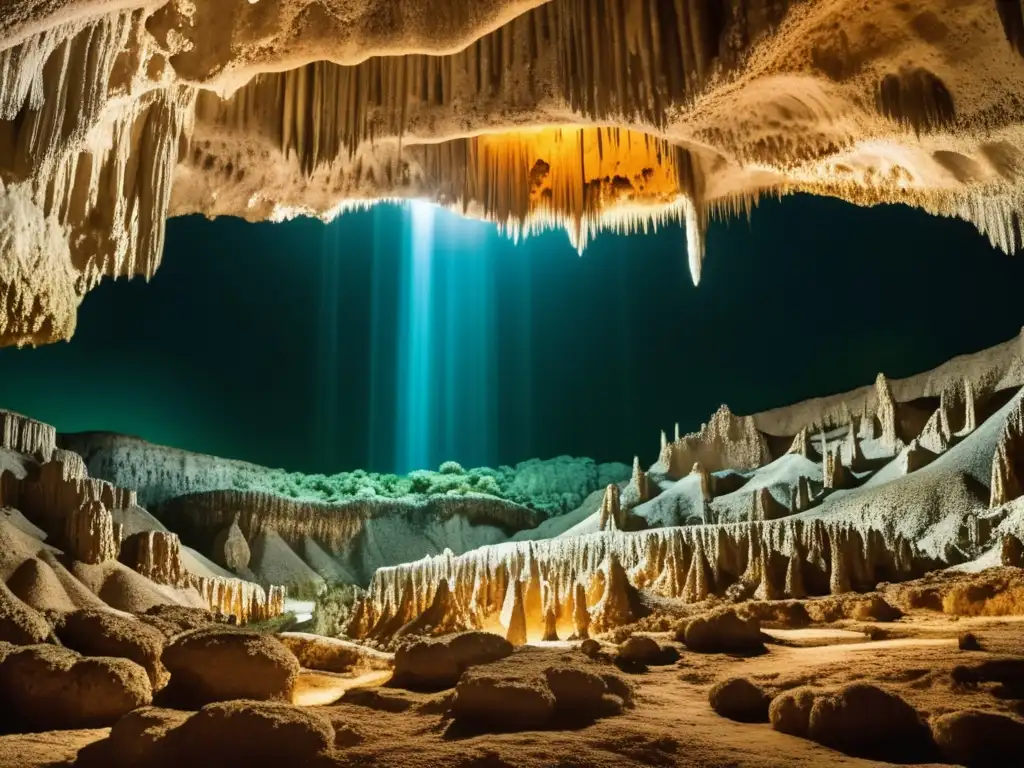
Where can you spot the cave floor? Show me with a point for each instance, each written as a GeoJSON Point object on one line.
{"type": "Point", "coordinates": [672, 722]}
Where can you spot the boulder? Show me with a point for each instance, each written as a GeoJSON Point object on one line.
{"type": "Point", "coordinates": [978, 739]}
{"type": "Point", "coordinates": [790, 711]}
{"type": "Point", "coordinates": [139, 738]}
{"type": "Point", "coordinates": [433, 664]}
{"type": "Point", "coordinates": [497, 703]}
{"type": "Point", "coordinates": [104, 633]}
{"type": "Point", "coordinates": [46, 687]}
{"type": "Point", "coordinates": [739, 699]}
{"type": "Point", "coordinates": [875, 608]}
{"type": "Point", "coordinates": [590, 647]}
{"type": "Point", "coordinates": [866, 721]}
{"type": "Point", "coordinates": [533, 689]}
{"type": "Point", "coordinates": [640, 649]}
{"type": "Point", "coordinates": [19, 623]}
{"type": "Point", "coordinates": [724, 631]}
{"type": "Point", "coordinates": [221, 664]}
{"type": "Point", "coordinates": [253, 733]}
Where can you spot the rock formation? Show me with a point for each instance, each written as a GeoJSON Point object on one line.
{"type": "Point", "coordinates": [836, 475]}
{"type": "Point", "coordinates": [157, 556]}
{"type": "Point", "coordinates": [590, 574]}
{"type": "Point", "coordinates": [725, 442]}
{"type": "Point", "coordinates": [91, 535]}
{"type": "Point", "coordinates": [1008, 463]}
{"type": "Point", "coordinates": [24, 435]}
{"type": "Point", "coordinates": [531, 115]}
{"type": "Point", "coordinates": [611, 516]}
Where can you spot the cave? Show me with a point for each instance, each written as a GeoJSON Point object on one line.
{"type": "Point", "coordinates": [511, 382]}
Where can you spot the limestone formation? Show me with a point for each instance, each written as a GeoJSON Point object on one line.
{"type": "Point", "coordinates": [801, 498]}
{"type": "Point", "coordinates": [590, 581]}
{"type": "Point", "coordinates": [531, 115]}
{"type": "Point", "coordinates": [725, 442]}
{"type": "Point", "coordinates": [765, 507]}
{"type": "Point", "coordinates": [802, 444]}
{"type": "Point", "coordinates": [915, 456]}
{"type": "Point", "coordinates": [1008, 463]}
{"type": "Point", "coordinates": [24, 435]}
{"type": "Point", "coordinates": [706, 479]}
{"type": "Point", "coordinates": [611, 516]}
{"type": "Point", "coordinates": [887, 415]}
{"type": "Point", "coordinates": [91, 535]}
{"type": "Point", "coordinates": [230, 548]}
{"type": "Point", "coordinates": [836, 475]}
{"type": "Point", "coordinates": [157, 556]}
{"type": "Point", "coordinates": [243, 599]}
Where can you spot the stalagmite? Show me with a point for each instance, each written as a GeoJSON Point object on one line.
{"type": "Point", "coordinates": [513, 615]}
{"type": "Point", "coordinates": [765, 507]}
{"type": "Point", "coordinates": [915, 456]}
{"type": "Point", "coordinates": [1008, 462]}
{"type": "Point", "coordinates": [707, 481]}
{"type": "Point", "coordinates": [230, 548]}
{"type": "Point", "coordinates": [802, 444]}
{"type": "Point", "coordinates": [611, 516]}
{"type": "Point", "coordinates": [836, 476]}
{"type": "Point", "coordinates": [580, 614]}
{"type": "Point", "coordinates": [887, 415]}
{"type": "Point", "coordinates": [801, 499]}
{"type": "Point", "coordinates": [854, 455]}
{"type": "Point", "coordinates": [615, 606]}
{"type": "Point", "coordinates": [550, 616]}
{"type": "Point", "coordinates": [244, 600]}
{"type": "Point", "coordinates": [639, 483]}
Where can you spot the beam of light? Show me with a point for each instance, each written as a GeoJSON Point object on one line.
{"type": "Point", "coordinates": [415, 344]}
{"type": "Point", "coordinates": [326, 410]}
{"type": "Point", "coordinates": [466, 298]}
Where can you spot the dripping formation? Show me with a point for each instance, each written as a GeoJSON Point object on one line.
{"type": "Point", "coordinates": [624, 115]}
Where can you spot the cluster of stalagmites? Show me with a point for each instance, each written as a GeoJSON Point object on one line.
{"type": "Point", "coordinates": [573, 587]}
{"type": "Point", "coordinates": [77, 513]}
{"type": "Point", "coordinates": [725, 442]}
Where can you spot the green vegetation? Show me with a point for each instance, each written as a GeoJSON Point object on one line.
{"type": "Point", "coordinates": [333, 608]}
{"type": "Point", "coordinates": [552, 486]}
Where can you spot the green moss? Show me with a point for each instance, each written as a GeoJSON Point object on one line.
{"type": "Point", "coordinates": [552, 486]}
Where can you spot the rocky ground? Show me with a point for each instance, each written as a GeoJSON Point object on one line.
{"type": "Point", "coordinates": [848, 680]}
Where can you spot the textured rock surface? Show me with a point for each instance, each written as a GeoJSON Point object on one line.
{"type": "Point", "coordinates": [437, 664]}
{"type": "Point", "coordinates": [319, 106]}
{"type": "Point", "coordinates": [219, 664]}
{"type": "Point", "coordinates": [596, 575]}
{"type": "Point", "coordinates": [104, 633]}
{"type": "Point", "coordinates": [48, 687]}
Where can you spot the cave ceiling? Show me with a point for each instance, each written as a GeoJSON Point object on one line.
{"type": "Point", "coordinates": [578, 114]}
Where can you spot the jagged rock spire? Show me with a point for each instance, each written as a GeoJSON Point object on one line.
{"type": "Point", "coordinates": [611, 517]}
{"type": "Point", "coordinates": [1008, 462]}
{"type": "Point", "coordinates": [886, 412]}
{"type": "Point", "coordinates": [801, 444]}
